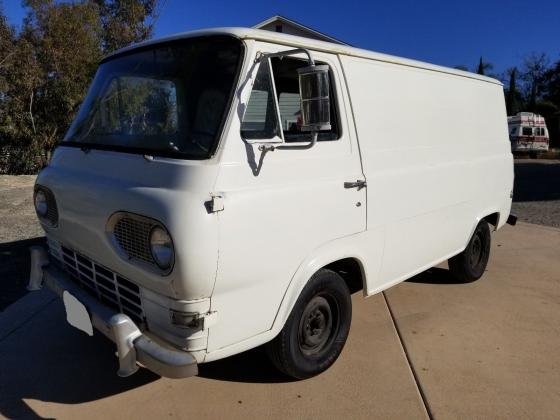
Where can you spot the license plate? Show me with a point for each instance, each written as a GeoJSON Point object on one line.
{"type": "Point", "coordinates": [76, 313]}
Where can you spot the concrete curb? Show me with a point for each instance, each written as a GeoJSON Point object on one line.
{"type": "Point", "coordinates": [23, 311]}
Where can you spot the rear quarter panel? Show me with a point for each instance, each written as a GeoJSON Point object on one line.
{"type": "Point", "coordinates": [436, 155]}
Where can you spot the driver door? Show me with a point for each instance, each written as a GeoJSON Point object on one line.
{"type": "Point", "coordinates": [280, 206]}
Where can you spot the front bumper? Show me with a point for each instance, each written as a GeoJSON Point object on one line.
{"type": "Point", "coordinates": [133, 346]}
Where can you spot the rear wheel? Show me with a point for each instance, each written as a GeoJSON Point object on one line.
{"type": "Point", "coordinates": [317, 328]}
{"type": "Point", "coordinates": [470, 264]}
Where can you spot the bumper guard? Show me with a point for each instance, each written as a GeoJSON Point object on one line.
{"type": "Point", "coordinates": [132, 345]}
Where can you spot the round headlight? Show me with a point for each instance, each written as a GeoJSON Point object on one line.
{"type": "Point", "coordinates": [41, 206]}
{"type": "Point", "coordinates": [161, 247]}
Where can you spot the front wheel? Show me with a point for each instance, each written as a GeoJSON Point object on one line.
{"type": "Point", "coordinates": [317, 328]}
{"type": "Point", "coordinates": [470, 264]}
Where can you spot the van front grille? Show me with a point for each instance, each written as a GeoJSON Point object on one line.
{"type": "Point", "coordinates": [104, 284]}
{"type": "Point", "coordinates": [133, 236]}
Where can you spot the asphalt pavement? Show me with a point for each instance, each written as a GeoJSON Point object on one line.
{"type": "Point", "coordinates": [536, 194]}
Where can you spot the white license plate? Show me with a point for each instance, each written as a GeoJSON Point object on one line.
{"type": "Point", "coordinates": [76, 313]}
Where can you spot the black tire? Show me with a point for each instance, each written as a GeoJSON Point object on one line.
{"type": "Point", "coordinates": [470, 264]}
{"type": "Point", "coordinates": [317, 328]}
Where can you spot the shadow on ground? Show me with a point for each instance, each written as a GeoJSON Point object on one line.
{"type": "Point", "coordinates": [434, 275]}
{"type": "Point", "coordinates": [536, 181]}
{"type": "Point", "coordinates": [252, 366]}
{"type": "Point", "coordinates": [49, 360]}
{"type": "Point", "coordinates": [14, 269]}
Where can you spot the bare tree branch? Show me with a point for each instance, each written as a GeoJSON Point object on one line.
{"type": "Point", "coordinates": [31, 112]}
{"type": "Point", "coordinates": [5, 58]}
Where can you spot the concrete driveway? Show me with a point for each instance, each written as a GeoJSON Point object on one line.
{"type": "Point", "coordinates": [427, 347]}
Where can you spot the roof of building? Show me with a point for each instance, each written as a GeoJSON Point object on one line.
{"type": "Point", "coordinates": [285, 20]}
{"type": "Point", "coordinates": [312, 44]}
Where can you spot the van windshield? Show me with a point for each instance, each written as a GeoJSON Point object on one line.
{"type": "Point", "coordinates": [169, 99]}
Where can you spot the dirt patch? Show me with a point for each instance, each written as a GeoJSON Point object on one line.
{"type": "Point", "coordinates": [17, 215]}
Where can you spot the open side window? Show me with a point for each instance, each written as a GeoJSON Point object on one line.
{"type": "Point", "coordinates": [277, 82]}
{"type": "Point", "coordinates": [260, 120]}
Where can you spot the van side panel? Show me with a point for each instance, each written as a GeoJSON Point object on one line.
{"type": "Point", "coordinates": [436, 156]}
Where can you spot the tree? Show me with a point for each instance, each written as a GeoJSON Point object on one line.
{"type": "Point", "coordinates": [513, 97]}
{"type": "Point", "coordinates": [19, 77]}
{"type": "Point", "coordinates": [533, 73]}
{"type": "Point", "coordinates": [550, 106]}
{"type": "Point", "coordinates": [67, 44]}
{"type": "Point", "coordinates": [6, 51]}
{"type": "Point", "coordinates": [46, 68]}
{"type": "Point", "coordinates": [551, 84]}
{"type": "Point", "coordinates": [126, 21]}
{"type": "Point", "coordinates": [483, 67]}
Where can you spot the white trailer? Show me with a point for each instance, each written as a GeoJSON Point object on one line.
{"type": "Point", "coordinates": [192, 212]}
{"type": "Point", "coordinates": [528, 133]}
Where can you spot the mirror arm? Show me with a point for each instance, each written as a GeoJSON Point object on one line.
{"type": "Point", "coordinates": [272, 147]}
{"type": "Point", "coordinates": [314, 135]}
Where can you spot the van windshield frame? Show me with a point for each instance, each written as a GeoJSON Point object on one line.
{"type": "Point", "coordinates": [75, 137]}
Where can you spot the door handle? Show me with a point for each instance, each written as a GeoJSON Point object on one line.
{"type": "Point", "coordinates": [359, 184]}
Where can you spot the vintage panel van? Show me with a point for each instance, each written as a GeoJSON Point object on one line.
{"type": "Point", "coordinates": [228, 188]}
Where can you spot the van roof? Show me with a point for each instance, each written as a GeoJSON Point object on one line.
{"type": "Point", "coordinates": [313, 44]}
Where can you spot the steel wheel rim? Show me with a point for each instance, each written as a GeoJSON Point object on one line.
{"type": "Point", "coordinates": [476, 253]}
{"type": "Point", "coordinates": [318, 325]}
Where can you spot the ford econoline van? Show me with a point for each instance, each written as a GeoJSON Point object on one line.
{"type": "Point", "coordinates": [225, 189]}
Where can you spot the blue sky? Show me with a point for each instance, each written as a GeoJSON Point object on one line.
{"type": "Point", "coordinates": [442, 32]}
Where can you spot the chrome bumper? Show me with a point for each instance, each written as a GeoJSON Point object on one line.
{"type": "Point", "coordinates": [132, 345]}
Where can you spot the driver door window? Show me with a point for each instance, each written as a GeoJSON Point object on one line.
{"type": "Point", "coordinates": [260, 120]}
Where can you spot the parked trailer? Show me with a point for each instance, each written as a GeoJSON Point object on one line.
{"type": "Point", "coordinates": [192, 212]}
{"type": "Point", "coordinates": [528, 133]}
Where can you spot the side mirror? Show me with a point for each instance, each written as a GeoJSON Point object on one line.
{"type": "Point", "coordinates": [314, 96]}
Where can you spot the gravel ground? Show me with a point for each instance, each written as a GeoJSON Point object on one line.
{"type": "Point", "coordinates": [17, 216]}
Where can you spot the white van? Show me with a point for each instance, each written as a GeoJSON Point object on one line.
{"type": "Point", "coordinates": [528, 133]}
{"type": "Point", "coordinates": [227, 188]}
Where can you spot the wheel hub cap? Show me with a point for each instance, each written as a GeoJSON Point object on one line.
{"type": "Point", "coordinates": [315, 326]}
{"type": "Point", "coordinates": [476, 251]}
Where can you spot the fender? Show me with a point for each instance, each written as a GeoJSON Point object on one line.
{"type": "Point", "coordinates": [351, 246]}
{"type": "Point", "coordinates": [324, 255]}
{"type": "Point", "coordinates": [481, 216]}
